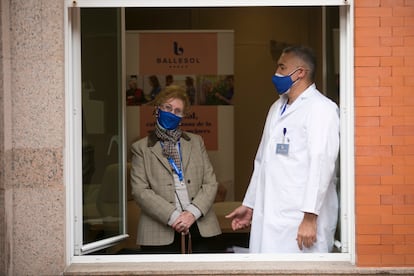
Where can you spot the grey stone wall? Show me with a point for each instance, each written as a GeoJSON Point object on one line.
{"type": "Point", "coordinates": [32, 108]}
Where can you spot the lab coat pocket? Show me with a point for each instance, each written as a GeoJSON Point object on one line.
{"type": "Point", "coordinates": [290, 202]}
{"type": "Point", "coordinates": [296, 137]}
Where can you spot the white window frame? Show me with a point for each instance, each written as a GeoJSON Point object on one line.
{"type": "Point", "coordinates": [74, 100]}
{"type": "Point", "coordinates": [73, 131]}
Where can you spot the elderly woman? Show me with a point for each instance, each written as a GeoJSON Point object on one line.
{"type": "Point", "coordinates": [173, 181]}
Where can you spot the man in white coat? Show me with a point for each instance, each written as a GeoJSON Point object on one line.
{"type": "Point", "coordinates": [291, 202]}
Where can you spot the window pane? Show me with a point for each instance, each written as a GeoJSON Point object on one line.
{"type": "Point", "coordinates": [102, 107]}
{"type": "Point", "coordinates": [102, 154]}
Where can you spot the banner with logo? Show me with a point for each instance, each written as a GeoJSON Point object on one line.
{"type": "Point", "coordinates": [200, 61]}
{"type": "Point", "coordinates": [177, 53]}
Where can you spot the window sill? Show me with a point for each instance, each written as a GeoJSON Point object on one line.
{"type": "Point", "coordinates": [233, 268]}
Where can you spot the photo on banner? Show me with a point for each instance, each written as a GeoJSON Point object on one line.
{"type": "Point", "coordinates": [202, 62]}
{"type": "Point", "coordinates": [201, 89]}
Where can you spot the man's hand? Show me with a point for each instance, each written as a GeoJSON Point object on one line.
{"type": "Point", "coordinates": [307, 231]}
{"type": "Point", "coordinates": [241, 217]}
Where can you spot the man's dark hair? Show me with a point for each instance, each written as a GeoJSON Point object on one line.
{"type": "Point", "coordinates": [307, 55]}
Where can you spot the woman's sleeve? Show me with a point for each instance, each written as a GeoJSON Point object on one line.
{"type": "Point", "coordinates": [151, 203]}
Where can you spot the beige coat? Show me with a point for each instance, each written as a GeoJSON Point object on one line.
{"type": "Point", "coordinates": [153, 187]}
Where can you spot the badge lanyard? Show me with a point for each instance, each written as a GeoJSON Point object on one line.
{"type": "Point", "coordinates": [283, 148]}
{"type": "Point", "coordinates": [284, 108]}
{"type": "Point", "coordinates": [178, 171]}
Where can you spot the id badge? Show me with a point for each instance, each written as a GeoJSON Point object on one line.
{"type": "Point", "coordinates": [282, 149]}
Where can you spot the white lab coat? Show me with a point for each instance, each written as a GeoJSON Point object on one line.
{"type": "Point", "coordinates": [284, 186]}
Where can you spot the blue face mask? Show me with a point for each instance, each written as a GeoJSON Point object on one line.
{"type": "Point", "coordinates": [168, 120]}
{"type": "Point", "coordinates": [283, 83]}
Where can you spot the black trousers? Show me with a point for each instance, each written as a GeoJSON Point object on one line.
{"type": "Point", "coordinates": [199, 244]}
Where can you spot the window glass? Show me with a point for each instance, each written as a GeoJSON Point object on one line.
{"type": "Point", "coordinates": [104, 172]}
{"type": "Point", "coordinates": [101, 98]}
{"type": "Point", "coordinates": [102, 143]}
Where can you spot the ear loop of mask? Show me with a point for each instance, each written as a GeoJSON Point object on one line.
{"type": "Point", "coordinates": [294, 71]}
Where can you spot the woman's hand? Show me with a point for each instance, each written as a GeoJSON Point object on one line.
{"type": "Point", "coordinates": [184, 222]}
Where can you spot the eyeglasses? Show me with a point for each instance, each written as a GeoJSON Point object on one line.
{"type": "Point", "coordinates": [169, 108]}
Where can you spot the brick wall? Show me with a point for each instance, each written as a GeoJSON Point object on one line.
{"type": "Point", "coordinates": [384, 109]}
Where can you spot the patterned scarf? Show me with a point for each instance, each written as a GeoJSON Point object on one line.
{"type": "Point", "coordinates": [169, 139]}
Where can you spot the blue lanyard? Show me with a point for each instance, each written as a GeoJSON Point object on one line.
{"type": "Point", "coordinates": [178, 171]}
{"type": "Point", "coordinates": [284, 108]}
